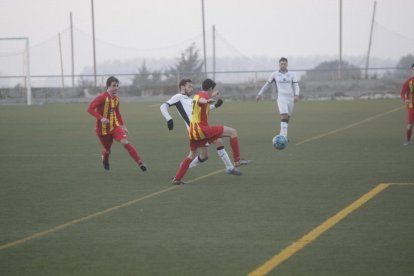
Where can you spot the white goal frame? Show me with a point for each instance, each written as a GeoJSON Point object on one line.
{"type": "Point", "coordinates": [28, 82]}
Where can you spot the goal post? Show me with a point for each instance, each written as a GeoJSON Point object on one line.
{"type": "Point", "coordinates": [27, 66]}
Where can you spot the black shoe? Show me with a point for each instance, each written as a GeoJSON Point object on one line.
{"type": "Point", "coordinates": [105, 164]}
{"type": "Point", "coordinates": [143, 167]}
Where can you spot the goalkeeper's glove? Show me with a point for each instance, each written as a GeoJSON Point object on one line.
{"type": "Point", "coordinates": [170, 124]}
{"type": "Point", "coordinates": [218, 103]}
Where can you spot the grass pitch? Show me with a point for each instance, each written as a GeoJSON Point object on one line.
{"type": "Point", "coordinates": [62, 214]}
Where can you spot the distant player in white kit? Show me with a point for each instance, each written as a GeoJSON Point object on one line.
{"type": "Point", "coordinates": [287, 93]}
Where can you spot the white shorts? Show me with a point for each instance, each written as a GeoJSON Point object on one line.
{"type": "Point", "coordinates": [285, 105]}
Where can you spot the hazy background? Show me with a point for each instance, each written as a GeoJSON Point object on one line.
{"type": "Point", "coordinates": [250, 34]}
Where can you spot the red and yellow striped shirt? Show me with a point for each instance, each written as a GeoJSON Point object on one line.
{"type": "Point", "coordinates": [199, 119]}
{"type": "Point", "coordinates": [105, 106]}
{"type": "Point", "coordinates": [407, 92]}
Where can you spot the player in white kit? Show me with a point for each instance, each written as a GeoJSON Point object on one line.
{"type": "Point", "coordinates": [287, 93]}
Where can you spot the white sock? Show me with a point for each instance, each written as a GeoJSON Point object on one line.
{"type": "Point", "coordinates": [195, 162]}
{"type": "Point", "coordinates": [283, 128]}
{"type": "Point", "coordinates": [225, 157]}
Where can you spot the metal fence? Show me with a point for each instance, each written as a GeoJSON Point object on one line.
{"type": "Point", "coordinates": [238, 85]}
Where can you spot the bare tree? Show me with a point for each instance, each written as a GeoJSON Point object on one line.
{"type": "Point", "coordinates": [188, 65]}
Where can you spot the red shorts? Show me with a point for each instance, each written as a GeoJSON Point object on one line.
{"type": "Point", "coordinates": [118, 134]}
{"type": "Point", "coordinates": [212, 133]}
{"type": "Point", "coordinates": [410, 115]}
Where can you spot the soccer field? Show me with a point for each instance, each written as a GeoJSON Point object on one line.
{"type": "Point", "coordinates": [337, 201]}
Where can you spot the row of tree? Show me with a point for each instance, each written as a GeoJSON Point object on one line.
{"type": "Point", "coordinates": [328, 70]}
{"type": "Point", "coordinates": [190, 65]}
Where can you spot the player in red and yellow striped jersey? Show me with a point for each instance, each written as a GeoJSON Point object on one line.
{"type": "Point", "coordinates": [201, 132]}
{"type": "Point", "coordinates": [109, 123]}
{"type": "Point", "coordinates": [407, 95]}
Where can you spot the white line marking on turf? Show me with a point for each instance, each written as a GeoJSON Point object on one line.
{"type": "Point", "coordinates": [350, 126]}
{"type": "Point", "coordinates": [205, 176]}
{"type": "Point", "coordinates": [100, 213]}
{"type": "Point", "coordinates": [76, 221]}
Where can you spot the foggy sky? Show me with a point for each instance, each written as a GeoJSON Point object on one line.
{"type": "Point", "coordinates": [245, 28]}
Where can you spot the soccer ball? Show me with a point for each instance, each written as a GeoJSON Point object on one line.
{"type": "Point", "coordinates": [279, 142]}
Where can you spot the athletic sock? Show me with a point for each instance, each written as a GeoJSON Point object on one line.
{"type": "Point", "coordinates": [224, 157]}
{"type": "Point", "coordinates": [133, 153]}
{"type": "Point", "coordinates": [234, 144]}
{"type": "Point", "coordinates": [284, 128]}
{"type": "Point", "coordinates": [183, 168]}
{"type": "Point", "coordinates": [196, 161]}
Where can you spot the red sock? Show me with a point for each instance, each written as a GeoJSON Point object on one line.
{"type": "Point", "coordinates": [408, 134]}
{"type": "Point", "coordinates": [234, 143]}
{"type": "Point", "coordinates": [183, 168]}
{"type": "Point", "coordinates": [133, 153]}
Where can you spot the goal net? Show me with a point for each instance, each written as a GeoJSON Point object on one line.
{"type": "Point", "coordinates": [15, 83]}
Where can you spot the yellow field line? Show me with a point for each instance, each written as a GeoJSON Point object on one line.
{"type": "Point", "coordinates": [350, 126]}
{"type": "Point", "coordinates": [315, 233]}
{"type": "Point", "coordinates": [100, 213]}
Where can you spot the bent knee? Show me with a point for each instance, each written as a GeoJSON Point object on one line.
{"type": "Point", "coordinates": [202, 158]}
{"type": "Point", "coordinates": [232, 132]}
{"type": "Point", "coordinates": [284, 117]}
{"type": "Point", "coordinates": [124, 142]}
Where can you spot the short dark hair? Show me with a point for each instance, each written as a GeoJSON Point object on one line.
{"type": "Point", "coordinates": [412, 66]}
{"type": "Point", "coordinates": [207, 84]}
{"type": "Point", "coordinates": [110, 80]}
{"type": "Point", "coordinates": [283, 59]}
{"type": "Point", "coordinates": [183, 82]}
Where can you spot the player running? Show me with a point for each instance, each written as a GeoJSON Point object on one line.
{"type": "Point", "coordinates": [287, 93]}
{"type": "Point", "coordinates": [110, 125]}
{"type": "Point", "coordinates": [407, 95]}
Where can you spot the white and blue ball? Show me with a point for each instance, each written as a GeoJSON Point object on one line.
{"type": "Point", "coordinates": [280, 142]}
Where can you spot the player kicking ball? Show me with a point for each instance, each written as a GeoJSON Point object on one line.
{"type": "Point", "coordinates": [200, 132]}
{"type": "Point", "coordinates": [183, 102]}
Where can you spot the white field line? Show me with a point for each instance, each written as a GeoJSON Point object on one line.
{"type": "Point", "coordinates": [350, 126]}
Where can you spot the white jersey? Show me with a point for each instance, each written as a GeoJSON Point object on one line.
{"type": "Point", "coordinates": [184, 105]}
{"type": "Point", "coordinates": [286, 83]}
